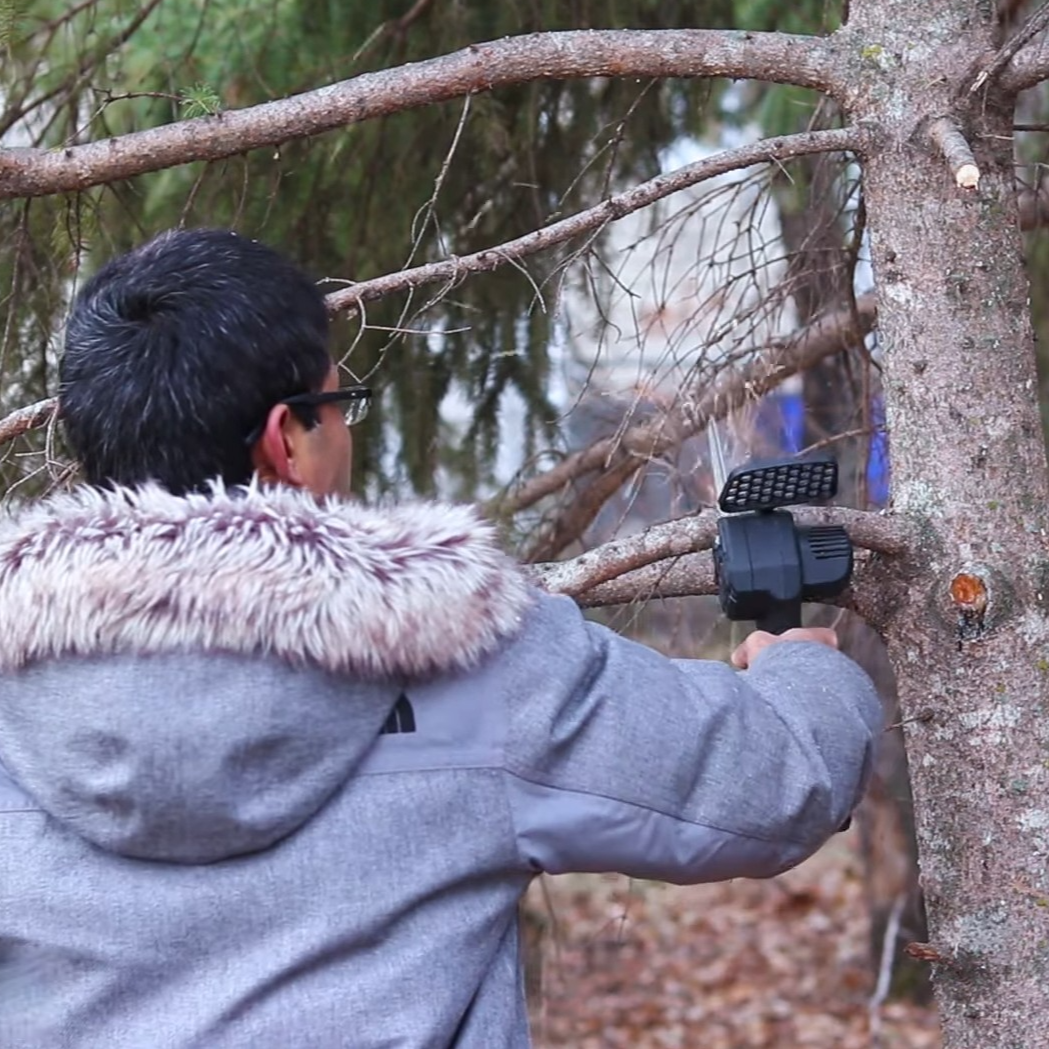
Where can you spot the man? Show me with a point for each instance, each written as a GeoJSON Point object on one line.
{"type": "Point", "coordinates": [277, 768]}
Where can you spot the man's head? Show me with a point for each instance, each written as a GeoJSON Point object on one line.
{"type": "Point", "coordinates": [181, 358]}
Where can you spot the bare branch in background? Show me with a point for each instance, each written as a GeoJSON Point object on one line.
{"type": "Point", "coordinates": [888, 956]}
{"type": "Point", "coordinates": [640, 196]}
{"type": "Point", "coordinates": [777, 57]}
{"type": "Point", "coordinates": [22, 107]}
{"type": "Point", "coordinates": [1034, 208]}
{"type": "Point", "coordinates": [618, 457]}
{"type": "Point", "coordinates": [829, 334]}
{"type": "Point", "coordinates": [455, 269]}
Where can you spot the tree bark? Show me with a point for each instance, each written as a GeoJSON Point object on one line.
{"type": "Point", "coordinates": [968, 634]}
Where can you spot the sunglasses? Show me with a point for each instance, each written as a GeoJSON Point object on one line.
{"type": "Point", "coordinates": [357, 401]}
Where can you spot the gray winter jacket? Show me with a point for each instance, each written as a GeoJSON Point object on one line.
{"type": "Point", "coordinates": [275, 774]}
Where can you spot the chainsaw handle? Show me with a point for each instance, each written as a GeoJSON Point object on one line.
{"type": "Point", "coordinates": [780, 619]}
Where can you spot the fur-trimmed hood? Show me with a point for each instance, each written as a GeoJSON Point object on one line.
{"type": "Point", "coordinates": [188, 679]}
{"type": "Point", "coordinates": [404, 592]}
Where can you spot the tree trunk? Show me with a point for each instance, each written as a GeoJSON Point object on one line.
{"type": "Point", "coordinates": [820, 276]}
{"type": "Point", "coordinates": [968, 633]}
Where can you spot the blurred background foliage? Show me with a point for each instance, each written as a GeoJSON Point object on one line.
{"type": "Point", "coordinates": [347, 204]}
{"type": "Point", "coordinates": [352, 204]}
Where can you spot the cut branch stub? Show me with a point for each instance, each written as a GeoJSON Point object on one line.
{"type": "Point", "coordinates": [926, 952]}
{"type": "Point", "coordinates": [949, 140]}
{"type": "Point", "coordinates": [971, 591]}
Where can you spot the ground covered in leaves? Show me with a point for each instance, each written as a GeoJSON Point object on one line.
{"type": "Point", "coordinates": [741, 965]}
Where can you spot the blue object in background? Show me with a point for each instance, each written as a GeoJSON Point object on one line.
{"type": "Point", "coordinates": [792, 411]}
{"type": "Point", "coordinates": [878, 457]}
{"type": "Point", "coordinates": [781, 422]}
{"type": "Point", "coordinates": [781, 426]}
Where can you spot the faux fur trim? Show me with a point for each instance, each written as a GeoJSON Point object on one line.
{"type": "Point", "coordinates": [405, 592]}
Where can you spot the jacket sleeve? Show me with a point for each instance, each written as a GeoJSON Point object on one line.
{"type": "Point", "coordinates": [621, 759]}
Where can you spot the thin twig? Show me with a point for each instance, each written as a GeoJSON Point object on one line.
{"type": "Point", "coordinates": [29, 418]}
{"type": "Point", "coordinates": [83, 69]}
{"type": "Point", "coordinates": [826, 442]}
{"type": "Point", "coordinates": [57, 23]}
{"type": "Point", "coordinates": [425, 214]}
{"type": "Point", "coordinates": [415, 12]}
{"type": "Point", "coordinates": [888, 955]}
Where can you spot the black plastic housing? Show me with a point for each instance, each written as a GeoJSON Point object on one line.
{"type": "Point", "coordinates": [767, 484]}
{"type": "Point", "coordinates": [766, 565]}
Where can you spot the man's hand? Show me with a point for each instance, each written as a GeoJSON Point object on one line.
{"type": "Point", "coordinates": [760, 639]}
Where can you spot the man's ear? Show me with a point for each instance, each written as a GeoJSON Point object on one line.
{"type": "Point", "coordinates": [274, 455]}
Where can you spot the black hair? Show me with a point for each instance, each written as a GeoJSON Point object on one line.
{"type": "Point", "coordinates": [177, 350]}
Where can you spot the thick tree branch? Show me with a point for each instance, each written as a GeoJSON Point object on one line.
{"type": "Point", "coordinates": [693, 576]}
{"type": "Point", "coordinates": [688, 535]}
{"type": "Point", "coordinates": [454, 269]}
{"type": "Point", "coordinates": [1027, 69]}
{"type": "Point", "coordinates": [1012, 60]}
{"type": "Point", "coordinates": [618, 457]}
{"type": "Point", "coordinates": [777, 57]}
